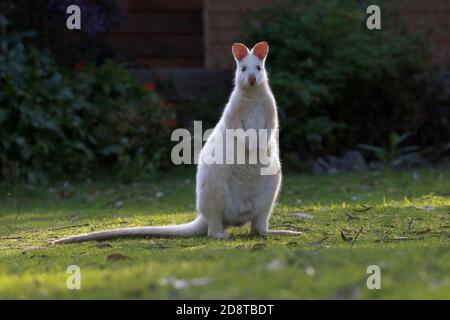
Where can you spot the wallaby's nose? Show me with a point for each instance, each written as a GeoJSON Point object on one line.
{"type": "Point", "coordinates": [252, 79]}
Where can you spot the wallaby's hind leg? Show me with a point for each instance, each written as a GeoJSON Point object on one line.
{"type": "Point", "coordinates": [216, 229]}
{"type": "Point", "coordinates": [210, 203]}
{"type": "Point", "coordinates": [260, 224]}
{"type": "Point", "coordinates": [212, 212]}
{"type": "Point", "coordinates": [265, 203]}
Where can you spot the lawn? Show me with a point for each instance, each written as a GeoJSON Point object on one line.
{"type": "Point", "coordinates": [397, 220]}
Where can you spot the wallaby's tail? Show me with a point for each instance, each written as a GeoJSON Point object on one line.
{"type": "Point", "coordinates": [195, 228]}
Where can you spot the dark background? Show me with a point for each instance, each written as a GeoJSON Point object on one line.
{"type": "Point", "coordinates": [106, 98]}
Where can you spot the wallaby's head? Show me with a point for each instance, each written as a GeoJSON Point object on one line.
{"type": "Point", "coordinates": [250, 71]}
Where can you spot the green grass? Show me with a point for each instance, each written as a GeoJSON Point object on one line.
{"type": "Point", "coordinates": [402, 219]}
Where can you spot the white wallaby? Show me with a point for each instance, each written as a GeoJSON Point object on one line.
{"type": "Point", "coordinates": [230, 194]}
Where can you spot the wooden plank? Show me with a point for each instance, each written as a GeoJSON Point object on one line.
{"type": "Point", "coordinates": [423, 6]}
{"type": "Point", "coordinates": [207, 34]}
{"type": "Point", "coordinates": [168, 62]}
{"type": "Point", "coordinates": [179, 45]}
{"type": "Point", "coordinates": [225, 19]}
{"type": "Point", "coordinates": [248, 5]}
{"type": "Point", "coordinates": [224, 6]}
{"type": "Point", "coordinates": [225, 35]}
{"type": "Point", "coordinates": [221, 57]}
{"type": "Point", "coordinates": [163, 22]}
{"type": "Point", "coordinates": [171, 5]}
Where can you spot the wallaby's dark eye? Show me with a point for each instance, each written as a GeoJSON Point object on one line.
{"type": "Point", "coordinates": [244, 68]}
{"type": "Point", "coordinates": [259, 68]}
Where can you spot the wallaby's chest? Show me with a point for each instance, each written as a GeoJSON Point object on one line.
{"type": "Point", "coordinates": [253, 115]}
{"type": "Point", "coordinates": [255, 120]}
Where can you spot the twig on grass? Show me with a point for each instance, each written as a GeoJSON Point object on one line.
{"type": "Point", "coordinates": [410, 222]}
{"type": "Point", "coordinates": [356, 237]}
{"type": "Point", "coordinates": [10, 238]}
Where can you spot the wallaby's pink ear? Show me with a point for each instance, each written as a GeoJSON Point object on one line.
{"type": "Point", "coordinates": [261, 49]}
{"type": "Point", "coordinates": [240, 51]}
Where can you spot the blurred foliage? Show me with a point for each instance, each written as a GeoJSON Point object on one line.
{"type": "Point", "coordinates": [40, 113]}
{"type": "Point", "coordinates": [49, 17]}
{"type": "Point", "coordinates": [59, 122]}
{"type": "Point", "coordinates": [130, 123]}
{"type": "Point", "coordinates": [337, 83]}
{"type": "Point", "coordinates": [396, 154]}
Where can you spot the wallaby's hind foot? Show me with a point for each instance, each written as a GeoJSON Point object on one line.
{"type": "Point", "coordinates": [219, 236]}
{"type": "Point", "coordinates": [216, 230]}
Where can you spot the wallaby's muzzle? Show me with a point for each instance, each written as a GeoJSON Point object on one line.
{"type": "Point", "coordinates": [252, 79]}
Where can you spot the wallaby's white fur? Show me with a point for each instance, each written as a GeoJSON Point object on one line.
{"type": "Point", "coordinates": [229, 194]}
